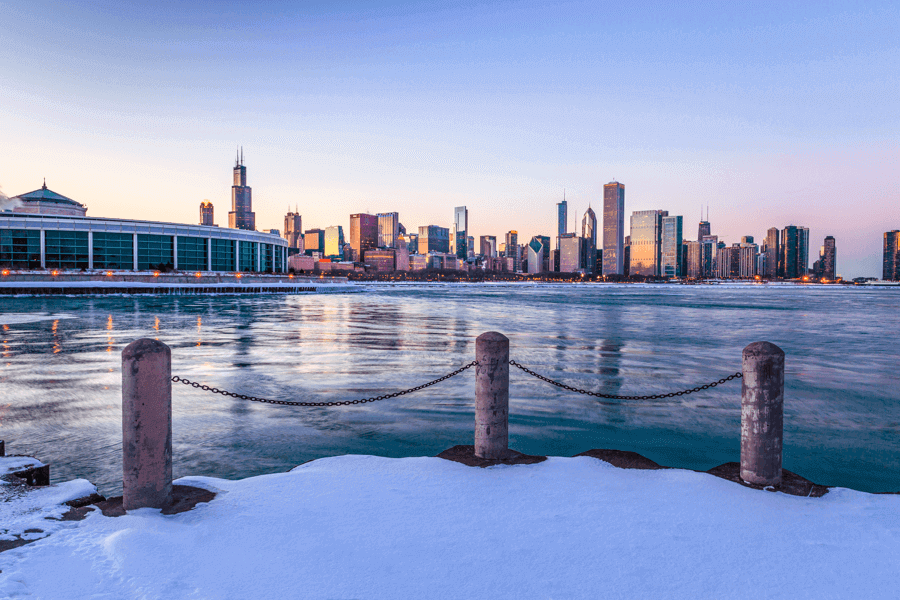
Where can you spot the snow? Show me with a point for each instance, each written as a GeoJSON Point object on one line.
{"type": "Point", "coordinates": [371, 527]}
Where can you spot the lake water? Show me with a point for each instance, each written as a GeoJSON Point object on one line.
{"type": "Point", "coordinates": [60, 374]}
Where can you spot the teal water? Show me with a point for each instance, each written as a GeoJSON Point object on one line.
{"type": "Point", "coordinates": [60, 374]}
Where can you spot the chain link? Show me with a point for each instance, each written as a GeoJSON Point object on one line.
{"type": "Point", "coordinates": [214, 390]}
{"type": "Point", "coordinates": [613, 397]}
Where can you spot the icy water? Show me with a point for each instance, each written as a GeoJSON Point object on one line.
{"type": "Point", "coordinates": [60, 378]}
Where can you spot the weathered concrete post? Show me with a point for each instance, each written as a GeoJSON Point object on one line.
{"type": "Point", "coordinates": [762, 413]}
{"type": "Point", "coordinates": [492, 395]}
{"type": "Point", "coordinates": [146, 424]}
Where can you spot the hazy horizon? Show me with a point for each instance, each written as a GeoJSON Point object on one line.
{"type": "Point", "coordinates": [771, 115]}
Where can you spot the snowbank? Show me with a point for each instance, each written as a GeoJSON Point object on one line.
{"type": "Point", "coordinates": [370, 527]}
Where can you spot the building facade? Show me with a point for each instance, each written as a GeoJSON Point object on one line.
{"type": "Point", "coordinates": [589, 233]}
{"type": "Point", "coordinates": [241, 215]}
{"type": "Point", "coordinates": [829, 258]}
{"type": "Point", "coordinates": [488, 245]}
{"type": "Point", "coordinates": [434, 239]}
{"type": "Point", "coordinates": [613, 228]}
{"type": "Point", "coordinates": [388, 229]}
{"type": "Point", "coordinates": [562, 213]}
{"type": "Point", "coordinates": [34, 241]}
{"type": "Point", "coordinates": [334, 242]}
{"type": "Point", "coordinates": [363, 233]}
{"type": "Point", "coordinates": [293, 229]}
{"type": "Point", "coordinates": [536, 253]}
{"type": "Point", "coordinates": [512, 250]}
{"type": "Point", "coordinates": [461, 232]}
{"type": "Point", "coordinates": [572, 253]}
{"type": "Point", "coordinates": [672, 242]}
{"type": "Point", "coordinates": [646, 242]}
{"type": "Point", "coordinates": [891, 256]}
{"type": "Point", "coordinates": [206, 214]}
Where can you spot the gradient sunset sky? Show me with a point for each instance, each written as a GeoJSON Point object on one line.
{"type": "Point", "coordinates": [771, 113]}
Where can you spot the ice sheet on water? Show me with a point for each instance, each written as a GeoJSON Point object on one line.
{"type": "Point", "coordinates": [23, 318]}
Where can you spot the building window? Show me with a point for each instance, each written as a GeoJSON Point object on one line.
{"type": "Point", "coordinates": [268, 258]}
{"type": "Point", "coordinates": [20, 248]}
{"type": "Point", "coordinates": [223, 255]}
{"type": "Point", "coordinates": [66, 249]}
{"type": "Point", "coordinates": [191, 253]}
{"type": "Point", "coordinates": [155, 252]}
{"type": "Point", "coordinates": [113, 250]}
{"type": "Point", "coordinates": [247, 256]}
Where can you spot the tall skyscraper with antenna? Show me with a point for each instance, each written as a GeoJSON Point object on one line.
{"type": "Point", "coordinates": [704, 225]}
{"type": "Point", "coordinates": [561, 217]}
{"type": "Point", "coordinates": [241, 215]}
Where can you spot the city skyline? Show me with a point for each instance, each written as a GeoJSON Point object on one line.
{"type": "Point", "coordinates": [419, 108]}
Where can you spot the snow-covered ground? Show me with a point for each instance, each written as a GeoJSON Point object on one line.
{"type": "Point", "coordinates": [426, 528]}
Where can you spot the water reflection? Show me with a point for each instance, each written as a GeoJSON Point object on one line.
{"type": "Point", "coordinates": [842, 415]}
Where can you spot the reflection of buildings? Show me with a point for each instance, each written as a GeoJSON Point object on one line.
{"type": "Point", "coordinates": [50, 231]}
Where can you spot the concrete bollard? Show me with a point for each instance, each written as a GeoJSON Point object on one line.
{"type": "Point", "coordinates": [762, 413]}
{"type": "Point", "coordinates": [492, 396]}
{"type": "Point", "coordinates": [146, 424]}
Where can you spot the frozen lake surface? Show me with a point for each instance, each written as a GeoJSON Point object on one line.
{"type": "Point", "coordinates": [60, 374]}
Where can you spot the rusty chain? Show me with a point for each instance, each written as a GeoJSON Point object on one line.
{"type": "Point", "coordinates": [614, 397]}
{"type": "Point", "coordinates": [215, 390]}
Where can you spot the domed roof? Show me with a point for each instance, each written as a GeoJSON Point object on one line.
{"type": "Point", "coordinates": [47, 195]}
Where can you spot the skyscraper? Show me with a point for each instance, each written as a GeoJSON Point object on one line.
{"type": "Point", "coordinates": [790, 252]}
{"type": "Point", "coordinates": [388, 229]}
{"type": "Point", "coordinates": [773, 254]}
{"type": "Point", "coordinates": [334, 242]}
{"type": "Point", "coordinates": [206, 213]}
{"type": "Point", "coordinates": [241, 215]}
{"type": "Point", "coordinates": [646, 242]}
{"type": "Point", "coordinates": [512, 246]}
{"type": "Point", "coordinates": [589, 233]}
{"type": "Point", "coordinates": [536, 253]}
{"type": "Point", "coordinates": [363, 234]}
{"type": "Point", "coordinates": [314, 241]}
{"type": "Point", "coordinates": [562, 212]}
{"type": "Point", "coordinates": [829, 259]}
{"type": "Point", "coordinates": [434, 239]}
{"type": "Point", "coordinates": [802, 251]}
{"type": "Point", "coordinates": [488, 245]}
{"type": "Point", "coordinates": [461, 231]}
{"type": "Point", "coordinates": [293, 228]}
{"type": "Point", "coordinates": [891, 258]}
{"type": "Point", "coordinates": [699, 259]}
{"type": "Point", "coordinates": [613, 228]}
{"type": "Point", "coordinates": [703, 230]}
{"type": "Point", "coordinates": [672, 241]}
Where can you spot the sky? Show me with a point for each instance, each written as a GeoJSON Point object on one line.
{"type": "Point", "coordinates": [770, 114]}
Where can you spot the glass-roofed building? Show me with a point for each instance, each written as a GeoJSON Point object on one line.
{"type": "Point", "coordinates": [46, 230]}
